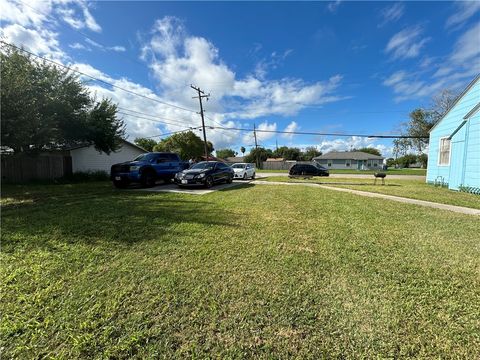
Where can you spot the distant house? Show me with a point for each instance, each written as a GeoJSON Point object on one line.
{"type": "Point", "coordinates": [275, 159]}
{"type": "Point", "coordinates": [350, 160]}
{"type": "Point", "coordinates": [454, 148]}
{"type": "Point", "coordinates": [87, 158]}
{"type": "Point", "coordinates": [234, 159]}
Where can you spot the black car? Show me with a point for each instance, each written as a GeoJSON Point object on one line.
{"type": "Point", "coordinates": [308, 169]}
{"type": "Point", "coordinates": [205, 173]}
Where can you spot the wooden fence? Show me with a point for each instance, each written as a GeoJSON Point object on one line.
{"type": "Point", "coordinates": [20, 169]}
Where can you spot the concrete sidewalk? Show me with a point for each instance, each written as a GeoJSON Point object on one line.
{"type": "Point", "coordinates": [454, 208]}
{"type": "Point", "coordinates": [352, 176]}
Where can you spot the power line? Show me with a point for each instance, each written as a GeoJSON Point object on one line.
{"type": "Point", "coordinates": [179, 121]}
{"type": "Point", "coordinates": [322, 134]}
{"type": "Point", "coordinates": [97, 79]}
{"type": "Point", "coordinates": [157, 121]}
{"type": "Point", "coordinates": [173, 132]}
{"type": "Point", "coordinates": [97, 42]}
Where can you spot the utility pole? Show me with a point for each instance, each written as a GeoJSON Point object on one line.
{"type": "Point", "coordinates": [201, 95]}
{"type": "Point", "coordinates": [256, 145]}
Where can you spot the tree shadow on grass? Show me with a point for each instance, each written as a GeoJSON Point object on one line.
{"type": "Point", "coordinates": [111, 217]}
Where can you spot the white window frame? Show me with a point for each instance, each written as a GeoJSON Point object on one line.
{"type": "Point", "coordinates": [440, 151]}
{"type": "Point", "coordinates": [348, 163]}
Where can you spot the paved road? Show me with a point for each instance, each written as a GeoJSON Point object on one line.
{"type": "Point", "coordinates": [457, 209]}
{"type": "Point", "coordinates": [351, 176]}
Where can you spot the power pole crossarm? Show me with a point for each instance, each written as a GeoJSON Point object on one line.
{"type": "Point", "coordinates": [201, 95]}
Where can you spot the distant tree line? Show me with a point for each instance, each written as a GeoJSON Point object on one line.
{"type": "Point", "coordinates": [187, 145]}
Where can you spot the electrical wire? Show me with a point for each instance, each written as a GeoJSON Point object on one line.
{"type": "Point", "coordinates": [322, 134]}
{"type": "Point", "coordinates": [97, 42]}
{"type": "Point", "coordinates": [97, 79]}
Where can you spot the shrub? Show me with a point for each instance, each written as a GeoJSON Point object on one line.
{"type": "Point", "coordinates": [83, 176]}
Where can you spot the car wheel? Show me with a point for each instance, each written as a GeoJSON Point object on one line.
{"type": "Point", "coordinates": [120, 184]}
{"type": "Point", "coordinates": [244, 176]}
{"type": "Point", "coordinates": [253, 176]}
{"type": "Point", "coordinates": [230, 179]}
{"type": "Point", "coordinates": [208, 182]}
{"type": "Point", "coordinates": [148, 179]}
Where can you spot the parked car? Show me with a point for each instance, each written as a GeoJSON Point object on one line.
{"type": "Point", "coordinates": [205, 173]}
{"type": "Point", "coordinates": [309, 170]}
{"type": "Point", "coordinates": [243, 171]}
{"type": "Point", "coordinates": [146, 169]}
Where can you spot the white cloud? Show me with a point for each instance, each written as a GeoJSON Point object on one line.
{"type": "Point", "coordinates": [333, 5]}
{"type": "Point", "coordinates": [391, 13]}
{"type": "Point", "coordinates": [77, 15]}
{"type": "Point", "coordinates": [78, 46]}
{"type": "Point", "coordinates": [177, 59]}
{"type": "Point", "coordinates": [117, 48]}
{"type": "Point", "coordinates": [101, 47]}
{"type": "Point", "coordinates": [467, 48]}
{"type": "Point", "coordinates": [465, 10]}
{"type": "Point", "coordinates": [42, 42]}
{"type": "Point", "coordinates": [406, 43]}
{"type": "Point", "coordinates": [291, 127]}
{"type": "Point", "coordinates": [453, 72]}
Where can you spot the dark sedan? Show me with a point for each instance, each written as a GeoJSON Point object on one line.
{"type": "Point", "coordinates": [308, 170]}
{"type": "Point", "coordinates": [205, 173]}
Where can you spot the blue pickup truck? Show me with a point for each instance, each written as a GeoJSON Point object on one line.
{"type": "Point", "coordinates": [146, 169]}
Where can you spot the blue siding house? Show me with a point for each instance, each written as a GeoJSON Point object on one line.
{"type": "Point", "coordinates": [454, 148]}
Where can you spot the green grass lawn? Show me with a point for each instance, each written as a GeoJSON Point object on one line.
{"type": "Point", "coordinates": [419, 172]}
{"type": "Point", "coordinates": [414, 189]}
{"type": "Point", "coordinates": [250, 272]}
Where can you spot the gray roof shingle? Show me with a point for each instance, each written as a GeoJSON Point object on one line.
{"type": "Point", "coordinates": [348, 155]}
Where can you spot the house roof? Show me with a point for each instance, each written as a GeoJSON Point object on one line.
{"type": "Point", "coordinates": [236, 159]}
{"type": "Point", "coordinates": [78, 146]}
{"type": "Point", "coordinates": [275, 159]}
{"type": "Point", "coordinates": [348, 155]}
{"type": "Point", "coordinates": [469, 86]}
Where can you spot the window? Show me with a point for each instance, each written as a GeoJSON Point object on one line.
{"type": "Point", "coordinates": [329, 163]}
{"type": "Point", "coordinates": [348, 163]}
{"type": "Point", "coordinates": [222, 166]}
{"type": "Point", "coordinates": [444, 153]}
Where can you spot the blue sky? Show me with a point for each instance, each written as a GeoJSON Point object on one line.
{"type": "Point", "coordinates": [338, 67]}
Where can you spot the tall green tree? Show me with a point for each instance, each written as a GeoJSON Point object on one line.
{"type": "Point", "coordinates": [224, 153]}
{"type": "Point", "coordinates": [369, 150]}
{"type": "Point", "coordinates": [186, 144]}
{"type": "Point", "coordinates": [258, 155]}
{"type": "Point", "coordinates": [310, 152]}
{"type": "Point", "coordinates": [422, 120]}
{"type": "Point", "coordinates": [288, 153]}
{"type": "Point", "coordinates": [147, 144]}
{"type": "Point", "coordinates": [44, 107]}
{"type": "Point", "coordinates": [242, 150]}
{"type": "Point", "coordinates": [407, 160]}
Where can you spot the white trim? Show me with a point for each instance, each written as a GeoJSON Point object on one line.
{"type": "Point", "coordinates": [440, 150]}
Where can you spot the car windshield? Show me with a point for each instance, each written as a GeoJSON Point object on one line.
{"type": "Point", "coordinates": [145, 157]}
{"type": "Point", "coordinates": [203, 165]}
{"type": "Point", "coordinates": [238, 166]}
